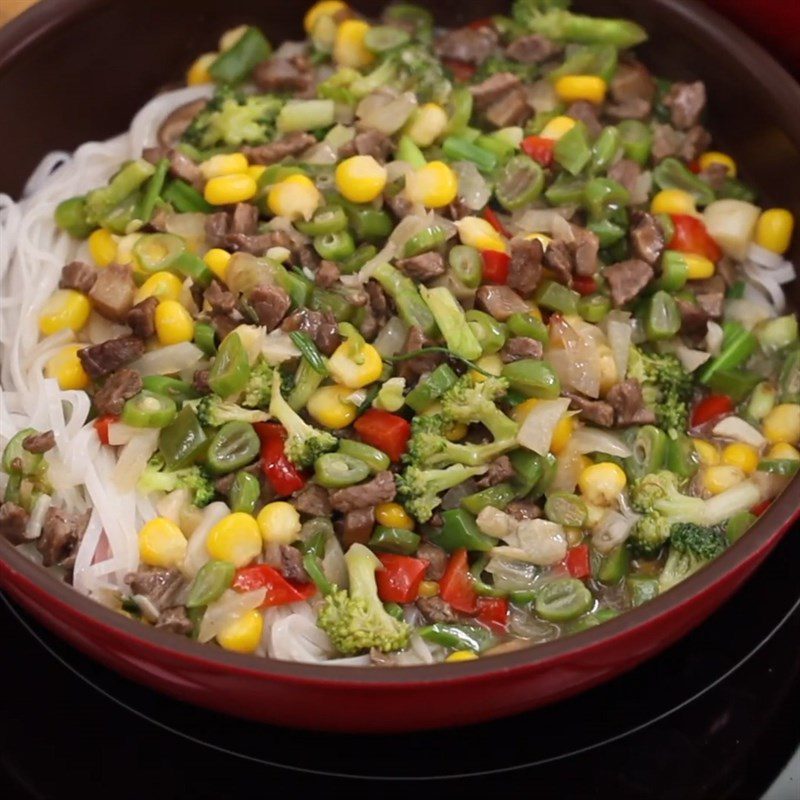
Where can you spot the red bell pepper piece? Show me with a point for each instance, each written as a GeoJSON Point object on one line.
{"type": "Point", "coordinates": [455, 586]}
{"type": "Point", "coordinates": [399, 580]}
{"type": "Point", "coordinates": [282, 475]}
{"type": "Point", "coordinates": [462, 71]}
{"type": "Point", "coordinates": [539, 149]}
{"type": "Point", "coordinates": [694, 166]}
{"type": "Point", "coordinates": [710, 407]}
{"type": "Point", "coordinates": [577, 561]}
{"type": "Point", "coordinates": [584, 284]}
{"type": "Point", "coordinates": [491, 217]}
{"type": "Point", "coordinates": [493, 612]}
{"type": "Point", "coordinates": [691, 236]}
{"type": "Point", "coordinates": [101, 426]}
{"type": "Point", "coordinates": [495, 266]}
{"type": "Point", "coordinates": [279, 590]}
{"type": "Point", "coordinates": [758, 509]}
{"type": "Point", "coordinates": [386, 431]}
{"type": "Point", "coordinates": [483, 22]}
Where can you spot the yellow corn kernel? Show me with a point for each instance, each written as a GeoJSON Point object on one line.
{"type": "Point", "coordinates": [428, 589]}
{"type": "Point", "coordinates": [349, 49]}
{"type": "Point", "coordinates": [713, 157]}
{"type": "Point", "coordinates": [478, 233]}
{"type": "Point", "coordinates": [217, 261]}
{"type": "Point", "coordinates": [427, 124]}
{"type": "Point", "coordinates": [393, 515]}
{"type": "Point", "coordinates": [774, 230]}
{"type": "Point", "coordinates": [65, 309]}
{"type": "Point", "coordinates": [235, 538]}
{"type": "Point", "coordinates": [330, 407]}
{"type": "Point", "coordinates": [562, 433]}
{"type": "Point", "coordinates": [461, 655]}
{"type": "Point", "coordinates": [360, 178]}
{"type": "Point", "coordinates": [783, 451]}
{"type": "Point", "coordinates": [721, 478]}
{"type": "Point", "coordinates": [434, 185]}
{"type": "Point", "coordinates": [706, 452]}
{"type": "Point", "coordinates": [162, 543]}
{"type": "Point", "coordinates": [279, 523]}
{"type": "Point", "coordinates": [255, 171]}
{"type": "Point", "coordinates": [698, 267]}
{"type": "Point", "coordinates": [162, 285]}
{"type": "Point", "coordinates": [673, 201]}
{"type": "Point", "coordinates": [571, 88]}
{"type": "Point", "coordinates": [224, 164]}
{"type": "Point", "coordinates": [608, 368]}
{"type": "Point", "coordinates": [782, 424]}
{"type": "Point", "coordinates": [294, 197]}
{"type": "Point", "coordinates": [244, 634]}
{"type": "Point", "coordinates": [199, 73]}
{"type": "Point", "coordinates": [743, 456]}
{"type": "Point", "coordinates": [540, 237]}
{"type": "Point", "coordinates": [228, 189]}
{"type": "Point", "coordinates": [355, 369]}
{"type": "Point", "coordinates": [66, 368]}
{"type": "Point", "coordinates": [325, 8]}
{"type": "Point", "coordinates": [230, 37]}
{"type": "Point", "coordinates": [174, 324]}
{"type": "Point", "coordinates": [585, 462]}
{"type": "Point", "coordinates": [102, 247]}
{"type": "Point", "coordinates": [601, 484]}
{"type": "Point", "coordinates": [557, 127]}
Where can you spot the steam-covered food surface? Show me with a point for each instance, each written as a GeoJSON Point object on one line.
{"type": "Point", "coordinates": [397, 345]}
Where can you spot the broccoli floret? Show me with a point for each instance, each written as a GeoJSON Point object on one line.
{"type": "Point", "coordinates": [258, 391]}
{"type": "Point", "coordinates": [666, 387]}
{"type": "Point", "coordinates": [232, 119]}
{"type": "Point", "coordinates": [213, 411]}
{"type": "Point", "coordinates": [355, 619]}
{"type": "Point", "coordinates": [304, 442]}
{"type": "Point", "coordinates": [196, 479]}
{"type": "Point", "coordinates": [691, 547]}
{"type": "Point", "coordinates": [494, 64]}
{"type": "Point", "coordinates": [420, 488]}
{"type": "Point", "coordinates": [525, 11]}
{"type": "Point", "coordinates": [471, 401]}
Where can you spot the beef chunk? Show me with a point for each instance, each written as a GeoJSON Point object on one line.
{"type": "Point", "coordinates": [626, 173]}
{"type": "Point", "coordinates": [694, 319]}
{"type": "Point", "coordinates": [499, 470]}
{"type": "Point", "coordinates": [666, 142]}
{"type": "Point", "coordinates": [113, 292]}
{"type": "Point", "coordinates": [380, 489]}
{"type": "Point", "coordinates": [586, 112]}
{"type": "Point", "coordinates": [493, 89]}
{"type": "Point", "coordinates": [224, 324]}
{"type": "Point", "coordinates": [436, 558]}
{"type": "Point", "coordinates": [221, 300]}
{"type": "Point", "coordinates": [422, 267]}
{"type": "Point", "coordinates": [558, 259]}
{"type": "Point", "coordinates": [584, 249]}
{"type": "Point", "coordinates": [434, 609]}
{"type": "Point", "coordinates": [159, 585]}
{"type": "Point", "coordinates": [417, 366]}
{"type": "Point", "coordinates": [175, 620]}
{"type": "Point", "coordinates": [378, 302]}
{"type": "Point", "coordinates": [647, 238]}
{"type": "Point", "coordinates": [39, 442]}
{"type": "Point", "coordinates": [710, 295]}
{"type": "Point", "coordinates": [471, 45]}
{"type": "Point", "coordinates": [628, 403]}
{"type": "Point", "coordinates": [695, 142]}
{"type": "Point", "coordinates": [519, 347]}
{"type": "Point", "coordinates": [686, 102]}
{"type": "Point", "coordinates": [327, 274]}
{"type": "Point", "coordinates": [244, 219]}
{"type": "Point", "coordinates": [182, 167]}
{"type": "Point", "coordinates": [61, 533]}
{"type": "Point", "coordinates": [519, 510]}
{"type": "Point", "coordinates": [100, 360]}
{"type": "Point", "coordinates": [368, 142]}
{"type": "Point", "coordinates": [258, 244]}
{"type": "Point", "coordinates": [525, 267]}
{"type": "Point", "coordinates": [532, 49]}
{"type": "Point", "coordinates": [356, 526]}
{"type": "Point", "coordinates": [216, 229]}
{"type": "Point", "coordinates": [79, 276]}
{"type": "Point", "coordinates": [118, 387]}
{"type": "Point", "coordinates": [597, 411]}
{"type": "Point", "coordinates": [200, 381]}
{"type": "Point", "coordinates": [141, 319]}
{"type": "Point", "coordinates": [13, 521]}
{"type": "Point", "coordinates": [294, 74]}
{"type": "Point", "coordinates": [176, 123]}
{"type": "Point", "coordinates": [313, 500]}
{"type": "Point", "coordinates": [510, 109]}
{"type": "Point", "coordinates": [715, 175]}
{"type": "Point", "coordinates": [292, 564]}
{"type": "Point", "coordinates": [321, 327]}
{"type": "Point", "coordinates": [627, 279]}
{"type": "Point", "coordinates": [500, 302]}
{"type": "Point", "coordinates": [291, 144]}
{"type": "Point", "coordinates": [632, 92]}
{"type": "Point", "coordinates": [270, 304]}
{"type": "Point", "coordinates": [399, 205]}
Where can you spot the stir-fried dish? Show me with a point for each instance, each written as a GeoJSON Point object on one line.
{"type": "Point", "coordinates": [404, 344]}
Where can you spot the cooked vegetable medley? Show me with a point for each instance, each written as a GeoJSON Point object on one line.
{"type": "Point", "coordinates": [412, 344]}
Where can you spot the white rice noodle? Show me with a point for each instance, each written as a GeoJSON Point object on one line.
{"type": "Point", "coordinates": [34, 526]}
{"type": "Point", "coordinates": [133, 458]}
{"type": "Point", "coordinates": [225, 611]}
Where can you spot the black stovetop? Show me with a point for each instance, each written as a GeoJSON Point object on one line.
{"type": "Point", "coordinates": [715, 716]}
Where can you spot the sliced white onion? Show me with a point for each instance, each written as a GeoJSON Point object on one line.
{"type": "Point", "coordinates": [98, 329]}
{"type": "Point", "coordinates": [748, 312]}
{"type": "Point", "coordinates": [391, 338]}
{"type": "Point", "coordinates": [595, 440]}
{"type": "Point", "coordinates": [542, 96]}
{"type": "Point", "coordinates": [225, 611]}
{"type": "Point", "coordinates": [640, 193]}
{"type": "Point", "coordinates": [763, 257]}
{"type": "Point", "coordinates": [732, 224]}
{"type": "Point", "coordinates": [133, 458]}
{"type": "Point", "coordinates": [473, 190]}
{"type": "Point", "coordinates": [612, 530]}
{"type": "Point", "coordinates": [387, 117]}
{"type": "Point", "coordinates": [714, 337]}
{"type": "Point", "coordinates": [768, 285]}
{"type": "Point", "coordinates": [196, 553]}
{"type": "Point", "coordinates": [397, 169]}
{"type": "Point", "coordinates": [278, 347]}
{"type": "Point", "coordinates": [536, 432]}
{"type": "Point", "coordinates": [619, 332]}
{"type": "Point", "coordinates": [320, 153]}
{"type": "Point", "coordinates": [691, 359]}
{"type": "Point", "coordinates": [34, 527]}
{"type": "Point", "coordinates": [737, 429]}
{"type": "Point", "coordinates": [538, 220]}
{"type": "Point", "coordinates": [191, 227]}
{"type": "Point", "coordinates": [536, 541]}
{"type": "Point", "coordinates": [169, 359]}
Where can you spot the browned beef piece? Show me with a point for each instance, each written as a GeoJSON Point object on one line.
{"type": "Point", "coordinates": [715, 175]}
{"type": "Point", "coordinates": [277, 74]}
{"type": "Point", "coordinates": [695, 142]}
{"type": "Point", "coordinates": [100, 360]}
{"type": "Point", "coordinates": [291, 144]}
{"type": "Point", "coordinates": [629, 408]}
{"type": "Point", "coordinates": [176, 123]}
{"type": "Point", "coordinates": [327, 274]}
{"type": "Point", "coordinates": [558, 259]}
{"type": "Point", "coordinates": [518, 347]}
{"type": "Point", "coordinates": [113, 292]}
{"type": "Point", "coordinates": [635, 108]}
{"type": "Point", "coordinates": [221, 300]}
{"type": "Point", "coordinates": [632, 92]}
{"type": "Point", "coordinates": [694, 319]}
{"type": "Point", "coordinates": [182, 167]}
{"type": "Point", "coordinates": [321, 327]}
{"type": "Point", "coordinates": [585, 248]}
{"type": "Point", "coordinates": [270, 304]}
{"type": "Point", "coordinates": [586, 113]}
{"type": "Point", "coordinates": [525, 267]}
{"type": "Point", "coordinates": [500, 301]}
{"type": "Point", "coordinates": [159, 585]}
{"type": "Point", "coordinates": [224, 484]}
{"type": "Point", "coordinates": [422, 267]}
{"type": "Point", "coordinates": [356, 526]}
{"type": "Point", "coordinates": [141, 319]}
{"type": "Point", "coordinates": [597, 411]}
{"type": "Point", "coordinates": [434, 609]}
{"type": "Point", "coordinates": [154, 154]}
{"type": "Point", "coordinates": [532, 49]}
{"type": "Point", "coordinates": [216, 229]}
{"type": "Point", "coordinates": [493, 88]}
{"type": "Point", "coordinates": [259, 243]}
{"type": "Point", "coordinates": [13, 521]}
{"type": "Point", "coordinates": [627, 279]}
{"type": "Point", "coordinates": [647, 238]}
{"type": "Point", "coordinates": [499, 470]}
{"type": "Point", "coordinates": [39, 442]}
{"type": "Point", "coordinates": [79, 276]}
{"type": "Point", "coordinates": [457, 210]}
{"type": "Point", "coordinates": [710, 295]}
{"type": "Point", "coordinates": [378, 302]}
{"type": "Point", "coordinates": [175, 620]}
{"type": "Point", "coordinates": [413, 368]}
{"type": "Point", "coordinates": [686, 102]}
{"type": "Point", "coordinates": [510, 109]}
{"type": "Point", "coordinates": [61, 533]}
{"type": "Point", "coordinates": [436, 558]}
{"type": "Point", "coordinates": [368, 142]}
{"type": "Point", "coordinates": [224, 324]}
{"type": "Point", "coordinates": [380, 489]}
{"type": "Point", "coordinates": [519, 510]}
{"type": "Point", "coordinates": [200, 381]}
{"type": "Point", "coordinates": [313, 500]}
{"type": "Point", "coordinates": [399, 205]}
{"type": "Point", "coordinates": [471, 45]}
{"type": "Point", "coordinates": [244, 219]}
{"type": "Point", "coordinates": [118, 387]}
{"type": "Point", "coordinates": [292, 564]}
{"type": "Point", "coordinates": [666, 142]}
{"type": "Point", "coordinates": [625, 172]}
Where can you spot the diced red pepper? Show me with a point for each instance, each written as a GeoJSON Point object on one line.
{"type": "Point", "coordinates": [399, 580]}
{"type": "Point", "coordinates": [584, 284]}
{"type": "Point", "coordinates": [462, 70]}
{"type": "Point", "coordinates": [493, 612]}
{"type": "Point", "coordinates": [483, 22]}
{"type": "Point", "coordinates": [691, 236]}
{"type": "Point", "coordinates": [694, 166]}
{"type": "Point", "coordinates": [710, 407]}
{"type": "Point", "coordinates": [491, 217]}
{"type": "Point", "coordinates": [495, 266]}
{"type": "Point", "coordinates": [577, 561]}
{"type": "Point", "coordinates": [386, 431]}
{"type": "Point", "coordinates": [539, 149]}
{"type": "Point", "coordinates": [760, 508]}
{"type": "Point", "coordinates": [101, 426]}
{"type": "Point", "coordinates": [455, 586]}
{"type": "Point", "coordinates": [279, 590]}
{"type": "Point", "coordinates": [282, 475]}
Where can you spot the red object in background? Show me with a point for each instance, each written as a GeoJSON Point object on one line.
{"type": "Point", "coordinates": [384, 430]}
